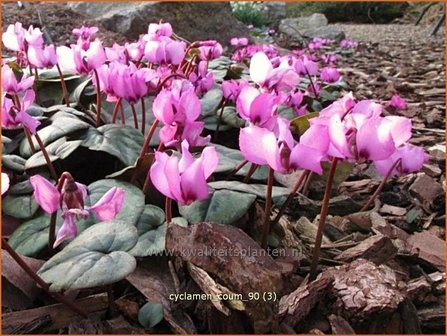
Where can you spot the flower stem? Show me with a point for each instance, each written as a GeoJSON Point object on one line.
{"type": "Point", "coordinates": [168, 210]}
{"type": "Point", "coordinates": [289, 199]}
{"type": "Point", "coordinates": [146, 144]}
{"type": "Point", "coordinates": [322, 221]}
{"type": "Point", "coordinates": [46, 156]}
{"type": "Point", "coordinates": [30, 140]}
{"type": "Point", "coordinates": [143, 116]}
{"type": "Point", "coordinates": [307, 184]}
{"type": "Point", "coordinates": [380, 187]}
{"type": "Point", "coordinates": [219, 119]}
{"type": "Point", "coordinates": [115, 110]}
{"type": "Point", "coordinates": [64, 86]}
{"type": "Point", "coordinates": [123, 117]}
{"type": "Point", "coordinates": [52, 233]}
{"type": "Point", "coordinates": [134, 113]}
{"type": "Point", "coordinates": [313, 85]}
{"type": "Point", "coordinates": [235, 170]}
{"type": "Point", "coordinates": [98, 99]}
{"type": "Point", "coordinates": [18, 259]}
{"type": "Point", "coordinates": [267, 210]}
{"type": "Point", "coordinates": [250, 173]}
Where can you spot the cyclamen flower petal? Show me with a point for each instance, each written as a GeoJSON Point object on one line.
{"type": "Point", "coordinates": [10, 84]}
{"type": "Point", "coordinates": [412, 159]}
{"type": "Point", "coordinates": [5, 183]}
{"type": "Point", "coordinates": [330, 75]}
{"type": "Point", "coordinates": [400, 128]}
{"type": "Point", "coordinates": [250, 139]}
{"type": "Point", "coordinates": [183, 180]}
{"type": "Point", "coordinates": [14, 37]}
{"type": "Point", "coordinates": [374, 140]}
{"type": "Point", "coordinates": [68, 229]}
{"type": "Point", "coordinates": [45, 194]}
{"type": "Point", "coordinates": [260, 67]}
{"type": "Point", "coordinates": [109, 205]}
{"type": "Point", "coordinates": [306, 157]}
{"type": "Point", "coordinates": [398, 103]}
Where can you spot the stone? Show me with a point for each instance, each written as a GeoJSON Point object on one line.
{"type": "Point", "coordinates": [297, 30]}
{"type": "Point", "coordinates": [429, 248]}
{"type": "Point", "coordinates": [426, 189]}
{"type": "Point", "coordinates": [190, 20]}
{"type": "Point", "coordinates": [377, 248]}
{"type": "Point", "coordinates": [431, 170]}
{"type": "Point", "coordinates": [276, 11]}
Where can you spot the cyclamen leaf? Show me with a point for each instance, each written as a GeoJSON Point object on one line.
{"type": "Point", "coordinates": [223, 207]}
{"type": "Point", "coordinates": [97, 257]}
{"type": "Point", "coordinates": [63, 124]}
{"type": "Point", "coordinates": [150, 314]}
{"type": "Point", "coordinates": [60, 149]}
{"type": "Point", "coordinates": [23, 206]}
{"type": "Point", "coordinates": [123, 142]}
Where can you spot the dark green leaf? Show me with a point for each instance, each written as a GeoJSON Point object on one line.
{"type": "Point", "coordinates": [150, 314]}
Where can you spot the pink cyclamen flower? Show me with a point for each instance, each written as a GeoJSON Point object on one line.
{"type": "Point", "coordinates": [165, 51]}
{"type": "Point", "coordinates": [42, 57]}
{"type": "Point", "coordinates": [257, 108]}
{"type": "Point", "coordinates": [277, 149]}
{"type": "Point", "coordinates": [71, 201]}
{"type": "Point", "coordinates": [84, 36]}
{"type": "Point", "coordinates": [210, 50]}
{"type": "Point", "coordinates": [329, 58]}
{"type": "Point", "coordinates": [5, 183]}
{"type": "Point", "coordinates": [411, 159]}
{"type": "Point", "coordinates": [281, 78]}
{"type": "Point", "coordinates": [330, 75]}
{"type": "Point", "coordinates": [184, 179]}
{"type": "Point", "coordinates": [398, 103]}
{"type": "Point", "coordinates": [76, 59]}
{"type": "Point", "coordinates": [14, 37]}
{"type": "Point", "coordinates": [178, 109]}
{"type": "Point", "coordinates": [12, 116]}
{"type": "Point", "coordinates": [239, 41]}
{"type": "Point", "coordinates": [203, 80]}
{"type": "Point", "coordinates": [348, 43]}
{"type": "Point", "coordinates": [305, 66]}
{"type": "Point", "coordinates": [10, 84]}
{"type": "Point", "coordinates": [157, 31]}
{"type": "Point", "coordinates": [232, 88]}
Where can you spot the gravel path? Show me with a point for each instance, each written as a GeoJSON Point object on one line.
{"type": "Point", "coordinates": [390, 33]}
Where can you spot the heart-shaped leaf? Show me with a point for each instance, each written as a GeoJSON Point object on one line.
{"type": "Point", "coordinates": [223, 207]}
{"type": "Point", "coordinates": [23, 206]}
{"type": "Point", "coordinates": [32, 236]}
{"type": "Point", "coordinates": [150, 314]}
{"type": "Point", "coordinates": [63, 124]}
{"type": "Point", "coordinates": [97, 257]}
{"type": "Point", "coordinates": [60, 149]}
{"type": "Point", "coordinates": [14, 162]}
{"type": "Point", "coordinates": [123, 142]}
{"type": "Point", "coordinates": [133, 198]}
{"type": "Point", "coordinates": [151, 228]}
{"type": "Point", "coordinates": [211, 101]}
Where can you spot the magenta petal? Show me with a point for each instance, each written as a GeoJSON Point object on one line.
{"type": "Point", "coordinates": [307, 158]}
{"type": "Point", "coordinates": [109, 205]}
{"type": "Point", "coordinates": [171, 171]}
{"type": "Point", "coordinates": [68, 229]}
{"type": "Point", "coordinates": [262, 108]}
{"type": "Point", "coordinates": [158, 176]}
{"type": "Point", "coordinates": [210, 161]}
{"type": "Point", "coordinates": [187, 159]}
{"type": "Point", "coordinates": [193, 184]}
{"type": "Point", "coordinates": [269, 146]}
{"type": "Point", "coordinates": [45, 194]}
{"type": "Point", "coordinates": [250, 144]}
{"type": "Point", "coordinates": [400, 129]}
{"type": "Point", "coordinates": [190, 105]}
{"type": "Point", "coordinates": [244, 101]}
{"type": "Point", "coordinates": [162, 107]}
{"type": "Point", "coordinates": [337, 135]}
{"type": "Point", "coordinates": [374, 140]}
{"type": "Point", "coordinates": [413, 158]}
